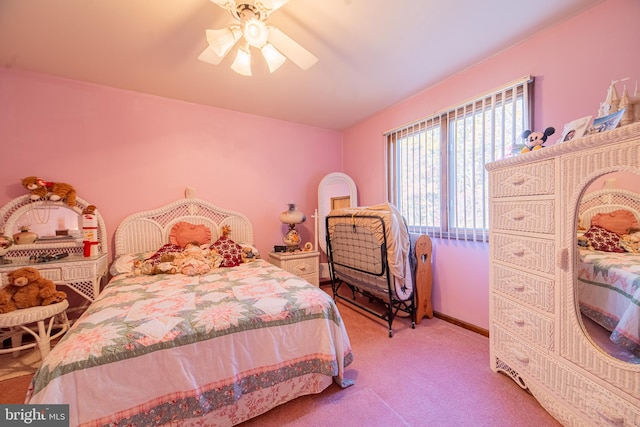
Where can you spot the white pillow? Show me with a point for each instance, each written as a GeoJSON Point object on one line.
{"type": "Point", "coordinates": [125, 263]}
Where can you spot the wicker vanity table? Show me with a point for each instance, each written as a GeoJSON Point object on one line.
{"type": "Point", "coordinates": [84, 275]}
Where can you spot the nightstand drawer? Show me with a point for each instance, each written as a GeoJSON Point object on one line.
{"type": "Point", "coordinates": [302, 264]}
{"type": "Point", "coordinates": [301, 267]}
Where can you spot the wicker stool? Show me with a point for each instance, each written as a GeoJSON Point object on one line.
{"type": "Point", "coordinates": [14, 324]}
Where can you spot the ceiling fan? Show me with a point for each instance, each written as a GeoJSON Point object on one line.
{"type": "Point", "coordinates": [252, 31]}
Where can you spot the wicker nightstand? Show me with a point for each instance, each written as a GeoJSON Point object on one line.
{"type": "Point", "coordinates": [303, 264]}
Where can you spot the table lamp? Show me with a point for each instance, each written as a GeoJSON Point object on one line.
{"type": "Point", "coordinates": [292, 217]}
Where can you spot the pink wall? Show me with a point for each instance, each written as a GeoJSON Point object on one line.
{"type": "Point", "coordinates": [573, 64]}
{"type": "Point", "coordinates": [126, 152]}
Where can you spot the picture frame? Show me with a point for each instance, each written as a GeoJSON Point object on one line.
{"type": "Point", "coordinates": [575, 129]}
{"type": "Point", "coordinates": [603, 124]}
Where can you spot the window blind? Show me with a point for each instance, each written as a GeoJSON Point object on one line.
{"type": "Point", "coordinates": [435, 165]}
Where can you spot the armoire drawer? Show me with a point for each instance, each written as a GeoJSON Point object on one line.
{"type": "Point", "coordinates": [536, 328]}
{"type": "Point", "coordinates": [530, 364]}
{"type": "Point", "coordinates": [570, 389]}
{"type": "Point", "coordinates": [531, 254]}
{"type": "Point", "coordinates": [530, 289]}
{"type": "Point", "coordinates": [536, 216]}
{"type": "Point", "coordinates": [524, 180]}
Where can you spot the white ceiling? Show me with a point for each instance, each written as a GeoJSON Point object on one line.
{"type": "Point", "coordinates": [372, 53]}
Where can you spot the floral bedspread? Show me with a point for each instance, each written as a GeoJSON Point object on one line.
{"type": "Point", "coordinates": [609, 290]}
{"type": "Point", "coordinates": [219, 348]}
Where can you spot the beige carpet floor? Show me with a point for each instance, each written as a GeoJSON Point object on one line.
{"type": "Point", "coordinates": [435, 375]}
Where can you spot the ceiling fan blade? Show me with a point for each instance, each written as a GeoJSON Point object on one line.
{"type": "Point", "coordinates": [273, 5]}
{"type": "Point", "coordinates": [292, 50]}
{"type": "Point", "coordinates": [229, 5]}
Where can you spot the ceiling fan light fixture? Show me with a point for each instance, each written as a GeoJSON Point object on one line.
{"type": "Point", "coordinates": [274, 58]}
{"type": "Point", "coordinates": [251, 31]}
{"type": "Point", "coordinates": [255, 32]}
{"type": "Point", "coordinates": [221, 41]}
{"type": "Point", "coordinates": [242, 63]}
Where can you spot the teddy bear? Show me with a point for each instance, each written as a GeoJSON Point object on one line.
{"type": "Point", "coordinates": [27, 288]}
{"type": "Point", "coordinates": [248, 254]}
{"type": "Point", "coordinates": [534, 140]}
{"type": "Point", "coordinates": [39, 189]}
{"type": "Point", "coordinates": [89, 210]}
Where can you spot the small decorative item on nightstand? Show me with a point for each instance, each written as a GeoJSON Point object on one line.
{"type": "Point", "coordinates": [292, 217]}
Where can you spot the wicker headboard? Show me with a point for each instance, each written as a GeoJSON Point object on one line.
{"type": "Point", "coordinates": [149, 230]}
{"type": "Point", "coordinates": [605, 201]}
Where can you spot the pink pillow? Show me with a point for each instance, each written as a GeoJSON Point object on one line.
{"type": "Point", "coordinates": [603, 240]}
{"type": "Point", "coordinates": [184, 232]}
{"type": "Point", "coordinates": [619, 222]}
{"type": "Point", "coordinates": [165, 249]}
{"type": "Point", "coordinates": [231, 252]}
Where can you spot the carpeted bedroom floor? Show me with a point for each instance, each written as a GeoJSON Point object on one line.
{"type": "Point", "coordinates": [435, 375]}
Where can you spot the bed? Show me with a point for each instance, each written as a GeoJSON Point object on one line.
{"type": "Point", "coordinates": [370, 259]}
{"type": "Point", "coordinates": [609, 264]}
{"type": "Point", "coordinates": [207, 349]}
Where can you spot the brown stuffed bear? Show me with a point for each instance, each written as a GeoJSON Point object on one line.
{"type": "Point", "coordinates": [26, 288]}
{"type": "Point", "coordinates": [39, 189]}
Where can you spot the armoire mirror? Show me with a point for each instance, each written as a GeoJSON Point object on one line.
{"type": "Point", "coordinates": [336, 190]}
{"type": "Point", "coordinates": [607, 279]}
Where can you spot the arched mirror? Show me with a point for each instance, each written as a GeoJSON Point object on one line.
{"type": "Point", "coordinates": [57, 226]}
{"type": "Point", "coordinates": [49, 221]}
{"type": "Point", "coordinates": [608, 264]}
{"type": "Point", "coordinates": [336, 190]}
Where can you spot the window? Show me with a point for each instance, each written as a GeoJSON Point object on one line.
{"type": "Point", "coordinates": [435, 166]}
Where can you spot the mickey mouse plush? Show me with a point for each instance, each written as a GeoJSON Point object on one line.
{"type": "Point", "coordinates": [534, 140]}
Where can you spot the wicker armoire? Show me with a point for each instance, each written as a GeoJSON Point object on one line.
{"type": "Point", "coordinates": [537, 336]}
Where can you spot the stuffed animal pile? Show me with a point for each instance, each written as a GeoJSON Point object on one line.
{"type": "Point", "coordinates": [27, 288]}
{"type": "Point", "coordinates": [193, 260]}
{"type": "Point", "coordinates": [40, 190]}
